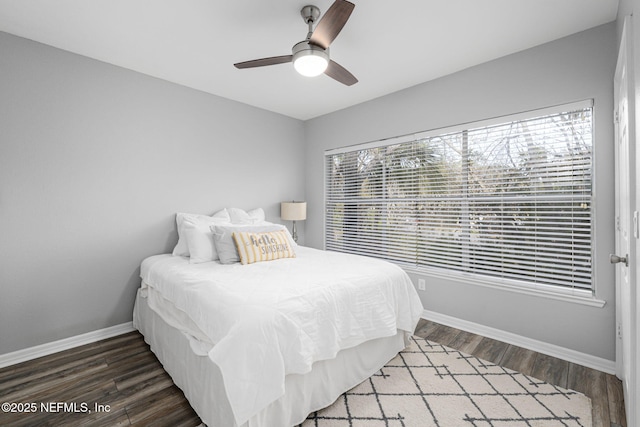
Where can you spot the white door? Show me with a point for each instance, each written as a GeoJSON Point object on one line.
{"type": "Point", "coordinates": [626, 310]}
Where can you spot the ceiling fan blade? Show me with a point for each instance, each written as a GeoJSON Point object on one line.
{"type": "Point", "coordinates": [331, 23]}
{"type": "Point", "coordinates": [339, 73]}
{"type": "Point", "coordinates": [273, 60]}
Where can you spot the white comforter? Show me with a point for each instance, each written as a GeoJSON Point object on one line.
{"type": "Point", "coordinates": [275, 318]}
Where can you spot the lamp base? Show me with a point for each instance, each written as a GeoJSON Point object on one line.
{"type": "Point", "coordinates": [294, 232]}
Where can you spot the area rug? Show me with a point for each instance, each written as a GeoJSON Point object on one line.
{"type": "Point", "coordinates": [428, 384]}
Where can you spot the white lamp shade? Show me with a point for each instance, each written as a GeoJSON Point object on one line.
{"type": "Point", "coordinates": [293, 211]}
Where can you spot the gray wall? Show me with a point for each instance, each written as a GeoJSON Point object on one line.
{"type": "Point", "coordinates": [574, 68]}
{"type": "Point", "coordinates": [95, 160]}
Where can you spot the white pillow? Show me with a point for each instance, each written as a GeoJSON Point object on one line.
{"type": "Point", "coordinates": [182, 248]}
{"type": "Point", "coordinates": [257, 215]}
{"type": "Point", "coordinates": [226, 246]}
{"type": "Point", "coordinates": [200, 239]}
{"type": "Point", "coordinates": [240, 217]}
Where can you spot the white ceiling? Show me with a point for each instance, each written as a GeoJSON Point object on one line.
{"type": "Point", "coordinates": [387, 45]}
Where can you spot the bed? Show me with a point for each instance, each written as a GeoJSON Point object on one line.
{"type": "Point", "coordinates": [268, 342]}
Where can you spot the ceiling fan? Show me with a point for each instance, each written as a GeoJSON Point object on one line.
{"type": "Point", "coordinates": [310, 57]}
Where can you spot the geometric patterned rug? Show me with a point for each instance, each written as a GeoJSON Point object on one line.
{"type": "Point", "coordinates": [428, 384]}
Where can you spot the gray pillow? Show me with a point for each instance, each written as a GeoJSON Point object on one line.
{"type": "Point", "coordinates": [223, 239]}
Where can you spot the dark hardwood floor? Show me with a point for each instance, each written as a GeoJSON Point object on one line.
{"type": "Point", "coordinates": [123, 377]}
{"type": "Point", "coordinates": [119, 373]}
{"type": "Point", "coordinates": [604, 390]}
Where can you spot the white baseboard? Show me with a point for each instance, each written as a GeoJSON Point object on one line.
{"type": "Point", "coordinates": [598, 363]}
{"type": "Point", "coordinates": [31, 353]}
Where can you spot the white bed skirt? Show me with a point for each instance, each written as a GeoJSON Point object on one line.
{"type": "Point", "coordinates": [202, 383]}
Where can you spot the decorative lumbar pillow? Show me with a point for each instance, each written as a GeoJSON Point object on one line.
{"type": "Point", "coordinates": [225, 245]}
{"type": "Point", "coordinates": [266, 246]}
{"type": "Point", "coordinates": [182, 247]}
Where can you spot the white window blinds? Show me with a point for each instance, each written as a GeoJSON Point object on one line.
{"type": "Point", "coordinates": [509, 200]}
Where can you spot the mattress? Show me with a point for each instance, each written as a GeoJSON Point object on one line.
{"type": "Point", "coordinates": [262, 322]}
{"type": "Point", "coordinates": [202, 384]}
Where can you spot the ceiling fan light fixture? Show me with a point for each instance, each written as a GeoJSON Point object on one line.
{"type": "Point", "coordinates": [311, 56]}
{"type": "Point", "coordinates": [310, 60]}
{"type": "Point", "coordinates": [310, 65]}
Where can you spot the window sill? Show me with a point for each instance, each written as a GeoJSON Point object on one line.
{"type": "Point", "coordinates": [575, 296]}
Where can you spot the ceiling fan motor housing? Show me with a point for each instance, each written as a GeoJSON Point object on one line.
{"type": "Point", "coordinates": [305, 48]}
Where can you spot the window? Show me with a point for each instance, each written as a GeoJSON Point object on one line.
{"type": "Point", "coordinates": [507, 200]}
